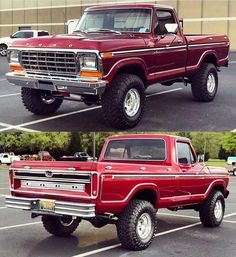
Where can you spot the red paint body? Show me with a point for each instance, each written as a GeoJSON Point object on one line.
{"type": "Point", "coordinates": [164, 61]}
{"type": "Point", "coordinates": [115, 183]}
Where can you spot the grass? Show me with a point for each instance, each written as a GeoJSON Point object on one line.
{"type": "Point", "coordinates": [219, 163]}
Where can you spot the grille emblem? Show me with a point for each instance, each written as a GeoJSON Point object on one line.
{"type": "Point", "coordinates": [48, 174]}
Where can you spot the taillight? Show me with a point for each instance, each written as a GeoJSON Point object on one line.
{"type": "Point", "coordinates": [94, 184]}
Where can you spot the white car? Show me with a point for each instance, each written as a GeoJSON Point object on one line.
{"type": "Point", "coordinates": [6, 158]}
{"type": "Point", "coordinates": [6, 41]}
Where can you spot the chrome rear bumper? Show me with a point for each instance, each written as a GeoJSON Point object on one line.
{"type": "Point", "coordinates": [82, 210]}
{"type": "Point", "coordinates": [57, 84]}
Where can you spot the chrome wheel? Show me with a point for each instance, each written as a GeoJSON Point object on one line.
{"type": "Point", "coordinates": [211, 83]}
{"type": "Point", "coordinates": [47, 99]}
{"type": "Point", "coordinates": [3, 50]}
{"type": "Point", "coordinates": [144, 227]}
{"type": "Point", "coordinates": [66, 221]}
{"type": "Point", "coordinates": [132, 102]}
{"type": "Point", "coordinates": [218, 210]}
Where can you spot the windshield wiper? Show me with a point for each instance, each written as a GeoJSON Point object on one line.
{"type": "Point", "coordinates": [102, 30]}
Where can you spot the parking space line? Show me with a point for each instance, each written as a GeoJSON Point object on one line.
{"type": "Point", "coordinates": [3, 79]}
{"type": "Point", "coordinates": [232, 62]}
{"type": "Point", "coordinates": [156, 235]}
{"type": "Point", "coordinates": [2, 188]}
{"type": "Point", "coordinates": [230, 221]}
{"type": "Point", "coordinates": [118, 245]}
{"type": "Point", "coordinates": [165, 92]}
{"type": "Point", "coordinates": [1, 208]}
{"type": "Point", "coordinates": [1, 96]}
{"type": "Point", "coordinates": [9, 127]}
{"type": "Point", "coordinates": [23, 125]}
{"type": "Point", "coordinates": [20, 225]}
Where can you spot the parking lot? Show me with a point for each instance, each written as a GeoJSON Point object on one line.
{"type": "Point", "coordinates": [168, 109]}
{"type": "Point", "coordinates": [179, 234]}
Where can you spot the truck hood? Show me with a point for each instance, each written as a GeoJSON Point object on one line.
{"type": "Point", "coordinates": [92, 41]}
{"type": "Point", "coordinates": [55, 165]}
{"type": "Point", "coordinates": [217, 170]}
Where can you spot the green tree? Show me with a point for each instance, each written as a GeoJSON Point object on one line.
{"type": "Point", "coordinates": [229, 143]}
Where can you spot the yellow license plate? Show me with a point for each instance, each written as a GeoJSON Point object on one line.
{"type": "Point", "coordinates": [47, 205]}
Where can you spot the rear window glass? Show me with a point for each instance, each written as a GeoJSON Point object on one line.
{"type": "Point", "coordinates": [43, 33]}
{"type": "Point", "coordinates": [136, 149]}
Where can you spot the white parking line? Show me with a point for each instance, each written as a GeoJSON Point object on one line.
{"type": "Point", "coordinates": [2, 79]}
{"type": "Point", "coordinates": [230, 221]}
{"type": "Point", "coordinates": [118, 245]}
{"type": "Point", "coordinates": [20, 225]}
{"type": "Point", "coordinates": [2, 188]}
{"type": "Point", "coordinates": [1, 208]}
{"type": "Point", "coordinates": [1, 96]}
{"type": "Point", "coordinates": [21, 126]}
{"type": "Point", "coordinates": [9, 127]}
{"type": "Point", "coordinates": [232, 62]}
{"type": "Point", "coordinates": [156, 235]}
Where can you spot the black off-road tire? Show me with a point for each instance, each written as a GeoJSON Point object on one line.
{"type": "Point", "coordinates": [32, 100]}
{"type": "Point", "coordinates": [207, 210]}
{"type": "Point", "coordinates": [199, 87]}
{"type": "Point", "coordinates": [54, 226]}
{"type": "Point", "coordinates": [128, 221]}
{"type": "Point", "coordinates": [234, 172]}
{"type": "Point", "coordinates": [114, 97]}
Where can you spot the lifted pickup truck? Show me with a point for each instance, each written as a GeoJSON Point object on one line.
{"type": "Point", "coordinates": [114, 55]}
{"type": "Point", "coordinates": [134, 177]}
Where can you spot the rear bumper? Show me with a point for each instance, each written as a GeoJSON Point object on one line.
{"type": "Point", "coordinates": [57, 84]}
{"type": "Point", "coordinates": [82, 210]}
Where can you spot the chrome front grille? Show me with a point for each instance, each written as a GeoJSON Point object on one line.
{"type": "Point", "coordinates": [50, 62]}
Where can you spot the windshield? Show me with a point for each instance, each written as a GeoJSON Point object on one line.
{"type": "Point", "coordinates": [119, 20]}
{"type": "Point", "coordinates": [136, 149]}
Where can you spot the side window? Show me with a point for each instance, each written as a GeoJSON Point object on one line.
{"type": "Point", "coordinates": [28, 34]}
{"type": "Point", "coordinates": [185, 154]}
{"type": "Point", "coordinates": [163, 18]}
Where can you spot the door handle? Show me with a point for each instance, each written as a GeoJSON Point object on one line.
{"type": "Point", "coordinates": [108, 167]}
{"type": "Point", "coordinates": [179, 41]}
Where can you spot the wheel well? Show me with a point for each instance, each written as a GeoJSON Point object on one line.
{"type": "Point", "coordinates": [136, 70]}
{"type": "Point", "coordinates": [210, 58]}
{"type": "Point", "coordinates": [3, 44]}
{"type": "Point", "coordinates": [147, 195]}
{"type": "Point", "coordinates": [219, 188]}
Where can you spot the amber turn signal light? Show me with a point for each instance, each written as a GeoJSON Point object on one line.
{"type": "Point", "coordinates": [15, 67]}
{"type": "Point", "coordinates": [91, 74]}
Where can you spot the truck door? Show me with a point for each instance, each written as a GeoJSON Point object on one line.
{"type": "Point", "coordinates": [191, 180]}
{"type": "Point", "coordinates": [171, 55]}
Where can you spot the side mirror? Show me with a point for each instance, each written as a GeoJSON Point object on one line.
{"type": "Point", "coordinates": [171, 27]}
{"type": "Point", "coordinates": [200, 158]}
{"type": "Point", "coordinates": [11, 36]}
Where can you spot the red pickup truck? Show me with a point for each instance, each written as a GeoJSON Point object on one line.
{"type": "Point", "coordinates": [113, 56]}
{"type": "Point", "coordinates": [134, 177]}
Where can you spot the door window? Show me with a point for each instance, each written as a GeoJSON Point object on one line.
{"type": "Point", "coordinates": [163, 18]}
{"type": "Point", "coordinates": [185, 154]}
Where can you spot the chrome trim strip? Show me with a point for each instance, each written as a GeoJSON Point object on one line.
{"type": "Point", "coordinates": [149, 50]}
{"type": "Point", "coordinates": [167, 175]}
{"type": "Point", "coordinates": [54, 49]}
{"type": "Point", "coordinates": [52, 179]}
{"type": "Point", "coordinates": [60, 172]}
{"type": "Point", "coordinates": [207, 44]}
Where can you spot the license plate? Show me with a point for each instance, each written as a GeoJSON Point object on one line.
{"type": "Point", "coordinates": [47, 205]}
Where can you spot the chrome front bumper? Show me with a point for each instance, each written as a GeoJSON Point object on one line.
{"type": "Point", "coordinates": [82, 210]}
{"type": "Point", "coordinates": [57, 84]}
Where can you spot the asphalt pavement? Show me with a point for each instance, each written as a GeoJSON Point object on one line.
{"type": "Point", "coordinates": [179, 234]}
{"type": "Point", "coordinates": [168, 109]}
